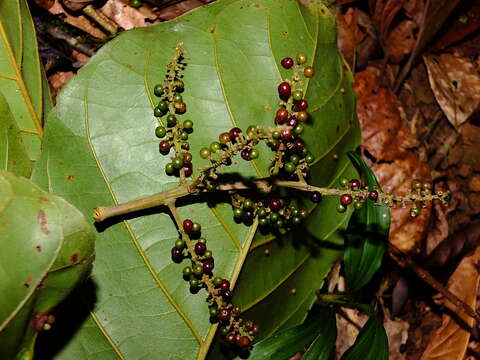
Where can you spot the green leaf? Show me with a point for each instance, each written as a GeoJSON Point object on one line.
{"type": "Point", "coordinates": [100, 149]}
{"type": "Point", "coordinates": [371, 343]}
{"type": "Point", "coordinates": [318, 334]}
{"type": "Point", "coordinates": [367, 234]}
{"type": "Point", "coordinates": [46, 247]}
{"type": "Point", "coordinates": [22, 80]}
{"type": "Point", "coordinates": [13, 155]}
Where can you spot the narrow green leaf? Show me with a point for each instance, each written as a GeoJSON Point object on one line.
{"type": "Point", "coordinates": [371, 343]}
{"type": "Point", "coordinates": [46, 248]}
{"type": "Point", "coordinates": [21, 74]}
{"type": "Point", "coordinates": [13, 156]}
{"type": "Point", "coordinates": [367, 234]}
{"type": "Point", "coordinates": [320, 329]}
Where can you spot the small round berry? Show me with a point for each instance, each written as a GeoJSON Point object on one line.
{"type": "Point", "coordinates": [309, 158]}
{"type": "Point", "coordinates": [243, 342]}
{"type": "Point", "coordinates": [197, 270]}
{"type": "Point", "coordinates": [224, 138]}
{"type": "Point", "coordinates": [302, 105]}
{"type": "Point", "coordinates": [236, 311]}
{"type": "Point", "coordinates": [284, 90]}
{"type": "Point", "coordinates": [299, 145]}
{"type": "Point", "coordinates": [224, 330]}
{"type": "Point", "coordinates": [316, 197]}
{"type": "Point", "coordinates": [254, 154]}
{"type": "Point", "coordinates": [227, 295]}
{"type": "Point", "coordinates": [188, 124]}
{"type": "Point", "coordinates": [184, 135]}
{"type": "Point", "coordinates": [158, 90]}
{"type": "Point", "coordinates": [164, 147]}
{"type": "Point", "coordinates": [289, 167]}
{"type": "Point", "coordinates": [281, 116]}
{"type": "Point", "coordinates": [341, 208]}
{"type": "Point", "coordinates": [416, 185]}
{"type": "Point", "coordinates": [309, 71]}
{"type": "Point", "coordinates": [346, 199]}
{"type": "Point", "coordinates": [200, 248]}
{"type": "Point", "coordinates": [304, 213]}
{"type": "Point", "coordinates": [414, 212]}
{"type": "Point", "coordinates": [169, 169]}
{"type": "Point", "coordinates": [180, 244]}
{"type": "Point", "coordinates": [208, 254]}
{"type": "Point", "coordinates": [245, 154]}
{"type": "Point", "coordinates": [301, 58]}
{"type": "Point", "coordinates": [296, 220]}
{"type": "Point", "coordinates": [294, 159]}
{"type": "Point", "coordinates": [223, 315]}
{"type": "Point", "coordinates": [196, 228]}
{"type": "Point", "coordinates": [187, 271]}
{"type": "Point", "coordinates": [202, 240]}
{"type": "Point", "coordinates": [177, 162]}
{"type": "Point", "coordinates": [279, 224]}
{"type": "Point", "coordinates": [188, 170]}
{"type": "Point", "coordinates": [274, 204]}
{"type": "Point", "coordinates": [213, 312]}
{"type": "Point", "coordinates": [187, 225]}
{"type": "Point", "coordinates": [354, 184]}
{"type": "Point", "coordinates": [181, 107]}
{"type": "Point", "coordinates": [177, 98]}
{"type": "Point", "coordinates": [136, 3]}
{"type": "Point", "coordinates": [160, 132]}
{"type": "Point", "coordinates": [187, 158]}
{"type": "Point", "coordinates": [302, 116]}
{"type": "Point", "coordinates": [215, 146]}
{"type": "Point", "coordinates": [171, 120]}
{"type": "Point", "coordinates": [263, 222]}
{"type": "Point", "coordinates": [177, 255]}
{"type": "Point", "coordinates": [256, 328]}
{"type": "Point", "coordinates": [208, 266]}
{"type": "Point", "coordinates": [235, 133]}
{"type": "Point", "coordinates": [373, 195]}
{"type": "Point", "coordinates": [179, 86]}
{"type": "Point", "coordinates": [286, 134]}
{"type": "Point", "coordinates": [344, 182]}
{"type": "Point", "coordinates": [194, 284]}
{"type": "Point", "coordinates": [237, 213]}
{"type": "Point", "coordinates": [262, 213]}
{"type": "Point", "coordinates": [217, 281]}
{"type": "Point", "coordinates": [204, 153]}
{"type": "Point", "coordinates": [276, 135]}
{"type": "Point", "coordinates": [157, 112]}
{"type": "Point", "coordinates": [231, 338]}
{"type": "Point", "coordinates": [426, 186]}
{"type": "Point", "coordinates": [297, 95]}
{"type": "Point", "coordinates": [292, 122]}
{"type": "Point", "coordinates": [251, 130]}
{"type": "Point", "coordinates": [287, 62]}
{"type": "Point", "coordinates": [162, 106]}
{"type": "Point", "coordinates": [273, 217]}
{"type": "Point", "coordinates": [298, 129]}
{"type": "Point", "coordinates": [225, 285]}
{"type": "Point", "coordinates": [248, 204]}
{"type": "Point", "coordinates": [357, 204]}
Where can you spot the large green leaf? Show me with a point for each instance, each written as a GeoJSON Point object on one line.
{"type": "Point", "coordinates": [367, 234]}
{"type": "Point", "coordinates": [22, 80]}
{"type": "Point", "coordinates": [13, 155]}
{"type": "Point", "coordinates": [371, 343]}
{"type": "Point", "coordinates": [46, 247]}
{"type": "Point", "coordinates": [100, 149]}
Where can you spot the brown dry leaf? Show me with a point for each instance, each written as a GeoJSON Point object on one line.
{"type": "Point", "coordinates": [46, 4]}
{"type": "Point", "coordinates": [389, 140]}
{"type": "Point", "coordinates": [178, 9]}
{"type": "Point", "coordinates": [128, 17]}
{"type": "Point", "coordinates": [58, 80]}
{"type": "Point", "coordinates": [450, 340]}
{"type": "Point", "coordinates": [76, 5]}
{"type": "Point", "coordinates": [400, 41]}
{"type": "Point", "coordinates": [456, 85]}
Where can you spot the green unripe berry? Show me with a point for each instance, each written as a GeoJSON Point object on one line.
{"type": "Point", "coordinates": [344, 182]}
{"type": "Point", "coordinates": [341, 208]}
{"type": "Point", "coordinates": [357, 204]}
{"type": "Point", "coordinates": [136, 3]}
{"type": "Point", "coordinates": [196, 227]}
{"type": "Point", "coordinates": [301, 58]}
{"type": "Point", "coordinates": [202, 240]}
{"type": "Point", "coordinates": [213, 312]}
{"type": "Point", "coordinates": [169, 169]}
{"type": "Point", "coordinates": [179, 85]}
{"type": "Point", "coordinates": [295, 212]}
{"type": "Point", "coordinates": [197, 270]}
{"type": "Point", "coordinates": [177, 162]}
{"type": "Point", "coordinates": [248, 204]}
{"type": "Point", "coordinates": [296, 220]}
{"type": "Point", "coordinates": [276, 135]}
{"type": "Point", "coordinates": [217, 281]}
{"type": "Point", "coordinates": [180, 244]}
{"type": "Point", "coordinates": [414, 212]}
{"type": "Point", "coordinates": [158, 90]}
{"type": "Point", "coordinates": [298, 129]}
{"type": "Point", "coordinates": [184, 135]}
{"type": "Point", "coordinates": [208, 254]}
{"type": "Point", "coordinates": [254, 154]}
{"type": "Point", "coordinates": [309, 158]}
{"type": "Point", "coordinates": [279, 224]}
{"type": "Point", "coordinates": [274, 217]}
{"type": "Point", "coordinates": [295, 159]}
{"type": "Point", "coordinates": [289, 167]}
{"type": "Point", "coordinates": [215, 146]}
{"type": "Point", "coordinates": [263, 222]}
{"type": "Point", "coordinates": [163, 106]}
{"type": "Point", "coordinates": [171, 120]}
{"type": "Point", "coordinates": [187, 272]}
{"type": "Point", "coordinates": [262, 213]}
{"type": "Point", "coordinates": [237, 213]}
{"type": "Point", "coordinates": [297, 95]}
{"type": "Point", "coordinates": [224, 331]}
{"type": "Point", "coordinates": [194, 283]}
{"type": "Point", "coordinates": [157, 112]}
{"type": "Point", "coordinates": [160, 132]}
{"type": "Point", "coordinates": [177, 98]}
{"type": "Point", "coordinates": [188, 124]}
{"type": "Point", "coordinates": [204, 153]}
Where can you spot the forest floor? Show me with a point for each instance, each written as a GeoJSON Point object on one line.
{"type": "Point", "coordinates": [417, 77]}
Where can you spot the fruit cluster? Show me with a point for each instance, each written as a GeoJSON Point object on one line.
{"type": "Point", "coordinates": [191, 245]}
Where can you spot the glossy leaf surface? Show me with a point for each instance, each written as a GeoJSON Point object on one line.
{"type": "Point", "coordinates": [371, 343]}
{"type": "Point", "coordinates": [22, 80]}
{"type": "Point", "coordinates": [100, 149]}
{"type": "Point", "coordinates": [367, 234]}
{"type": "Point", "coordinates": [46, 247]}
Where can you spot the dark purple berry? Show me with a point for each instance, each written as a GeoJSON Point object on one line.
{"type": "Point", "coordinates": [230, 338]}
{"type": "Point", "coordinates": [223, 315]}
{"type": "Point", "coordinates": [302, 105]}
{"type": "Point", "coordinates": [188, 169]}
{"type": "Point", "coordinates": [164, 147]}
{"type": "Point", "coordinates": [243, 342]}
{"type": "Point", "coordinates": [200, 248]}
{"type": "Point", "coordinates": [354, 184]}
{"type": "Point", "coordinates": [177, 255]}
{"type": "Point", "coordinates": [225, 285]}
{"type": "Point", "coordinates": [187, 225]}
{"type": "Point", "coordinates": [316, 197]}
{"type": "Point", "coordinates": [227, 295]}
{"type": "Point", "coordinates": [284, 90]}
{"type": "Point", "coordinates": [373, 195]}
{"type": "Point", "coordinates": [346, 199]}
{"type": "Point", "coordinates": [275, 204]}
{"type": "Point", "coordinates": [287, 62]}
{"type": "Point", "coordinates": [208, 266]}
{"type": "Point", "coordinates": [234, 133]}
{"type": "Point", "coordinates": [292, 122]}
{"type": "Point", "coordinates": [245, 154]}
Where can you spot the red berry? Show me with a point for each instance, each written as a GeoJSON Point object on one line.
{"type": "Point", "coordinates": [249, 325]}
{"type": "Point", "coordinates": [245, 154]}
{"type": "Point", "coordinates": [355, 184]}
{"type": "Point", "coordinates": [208, 266]}
{"type": "Point", "coordinates": [235, 133]}
{"type": "Point", "coordinates": [200, 248]}
{"type": "Point", "coordinates": [299, 145]}
{"type": "Point", "coordinates": [243, 341]}
{"type": "Point", "coordinates": [286, 134]}
{"type": "Point", "coordinates": [275, 204]}
{"type": "Point", "coordinates": [346, 199]}
{"type": "Point", "coordinates": [230, 338]}
{"type": "Point", "coordinates": [224, 138]}
{"type": "Point", "coordinates": [164, 147]}
{"type": "Point", "coordinates": [187, 225]}
{"type": "Point", "coordinates": [287, 62]}
{"type": "Point", "coordinates": [256, 328]}
{"type": "Point", "coordinates": [281, 116]}
{"type": "Point", "coordinates": [302, 105]}
{"type": "Point", "coordinates": [223, 315]}
{"type": "Point", "coordinates": [188, 170]}
{"type": "Point", "coordinates": [284, 90]}
{"type": "Point", "coordinates": [373, 195]}
{"type": "Point", "coordinates": [225, 285]}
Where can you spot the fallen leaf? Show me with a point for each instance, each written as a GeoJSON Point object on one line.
{"type": "Point", "coordinates": [178, 9]}
{"type": "Point", "coordinates": [128, 17]}
{"type": "Point", "coordinates": [400, 41]}
{"type": "Point", "coordinates": [450, 340]}
{"type": "Point", "coordinates": [456, 85]}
